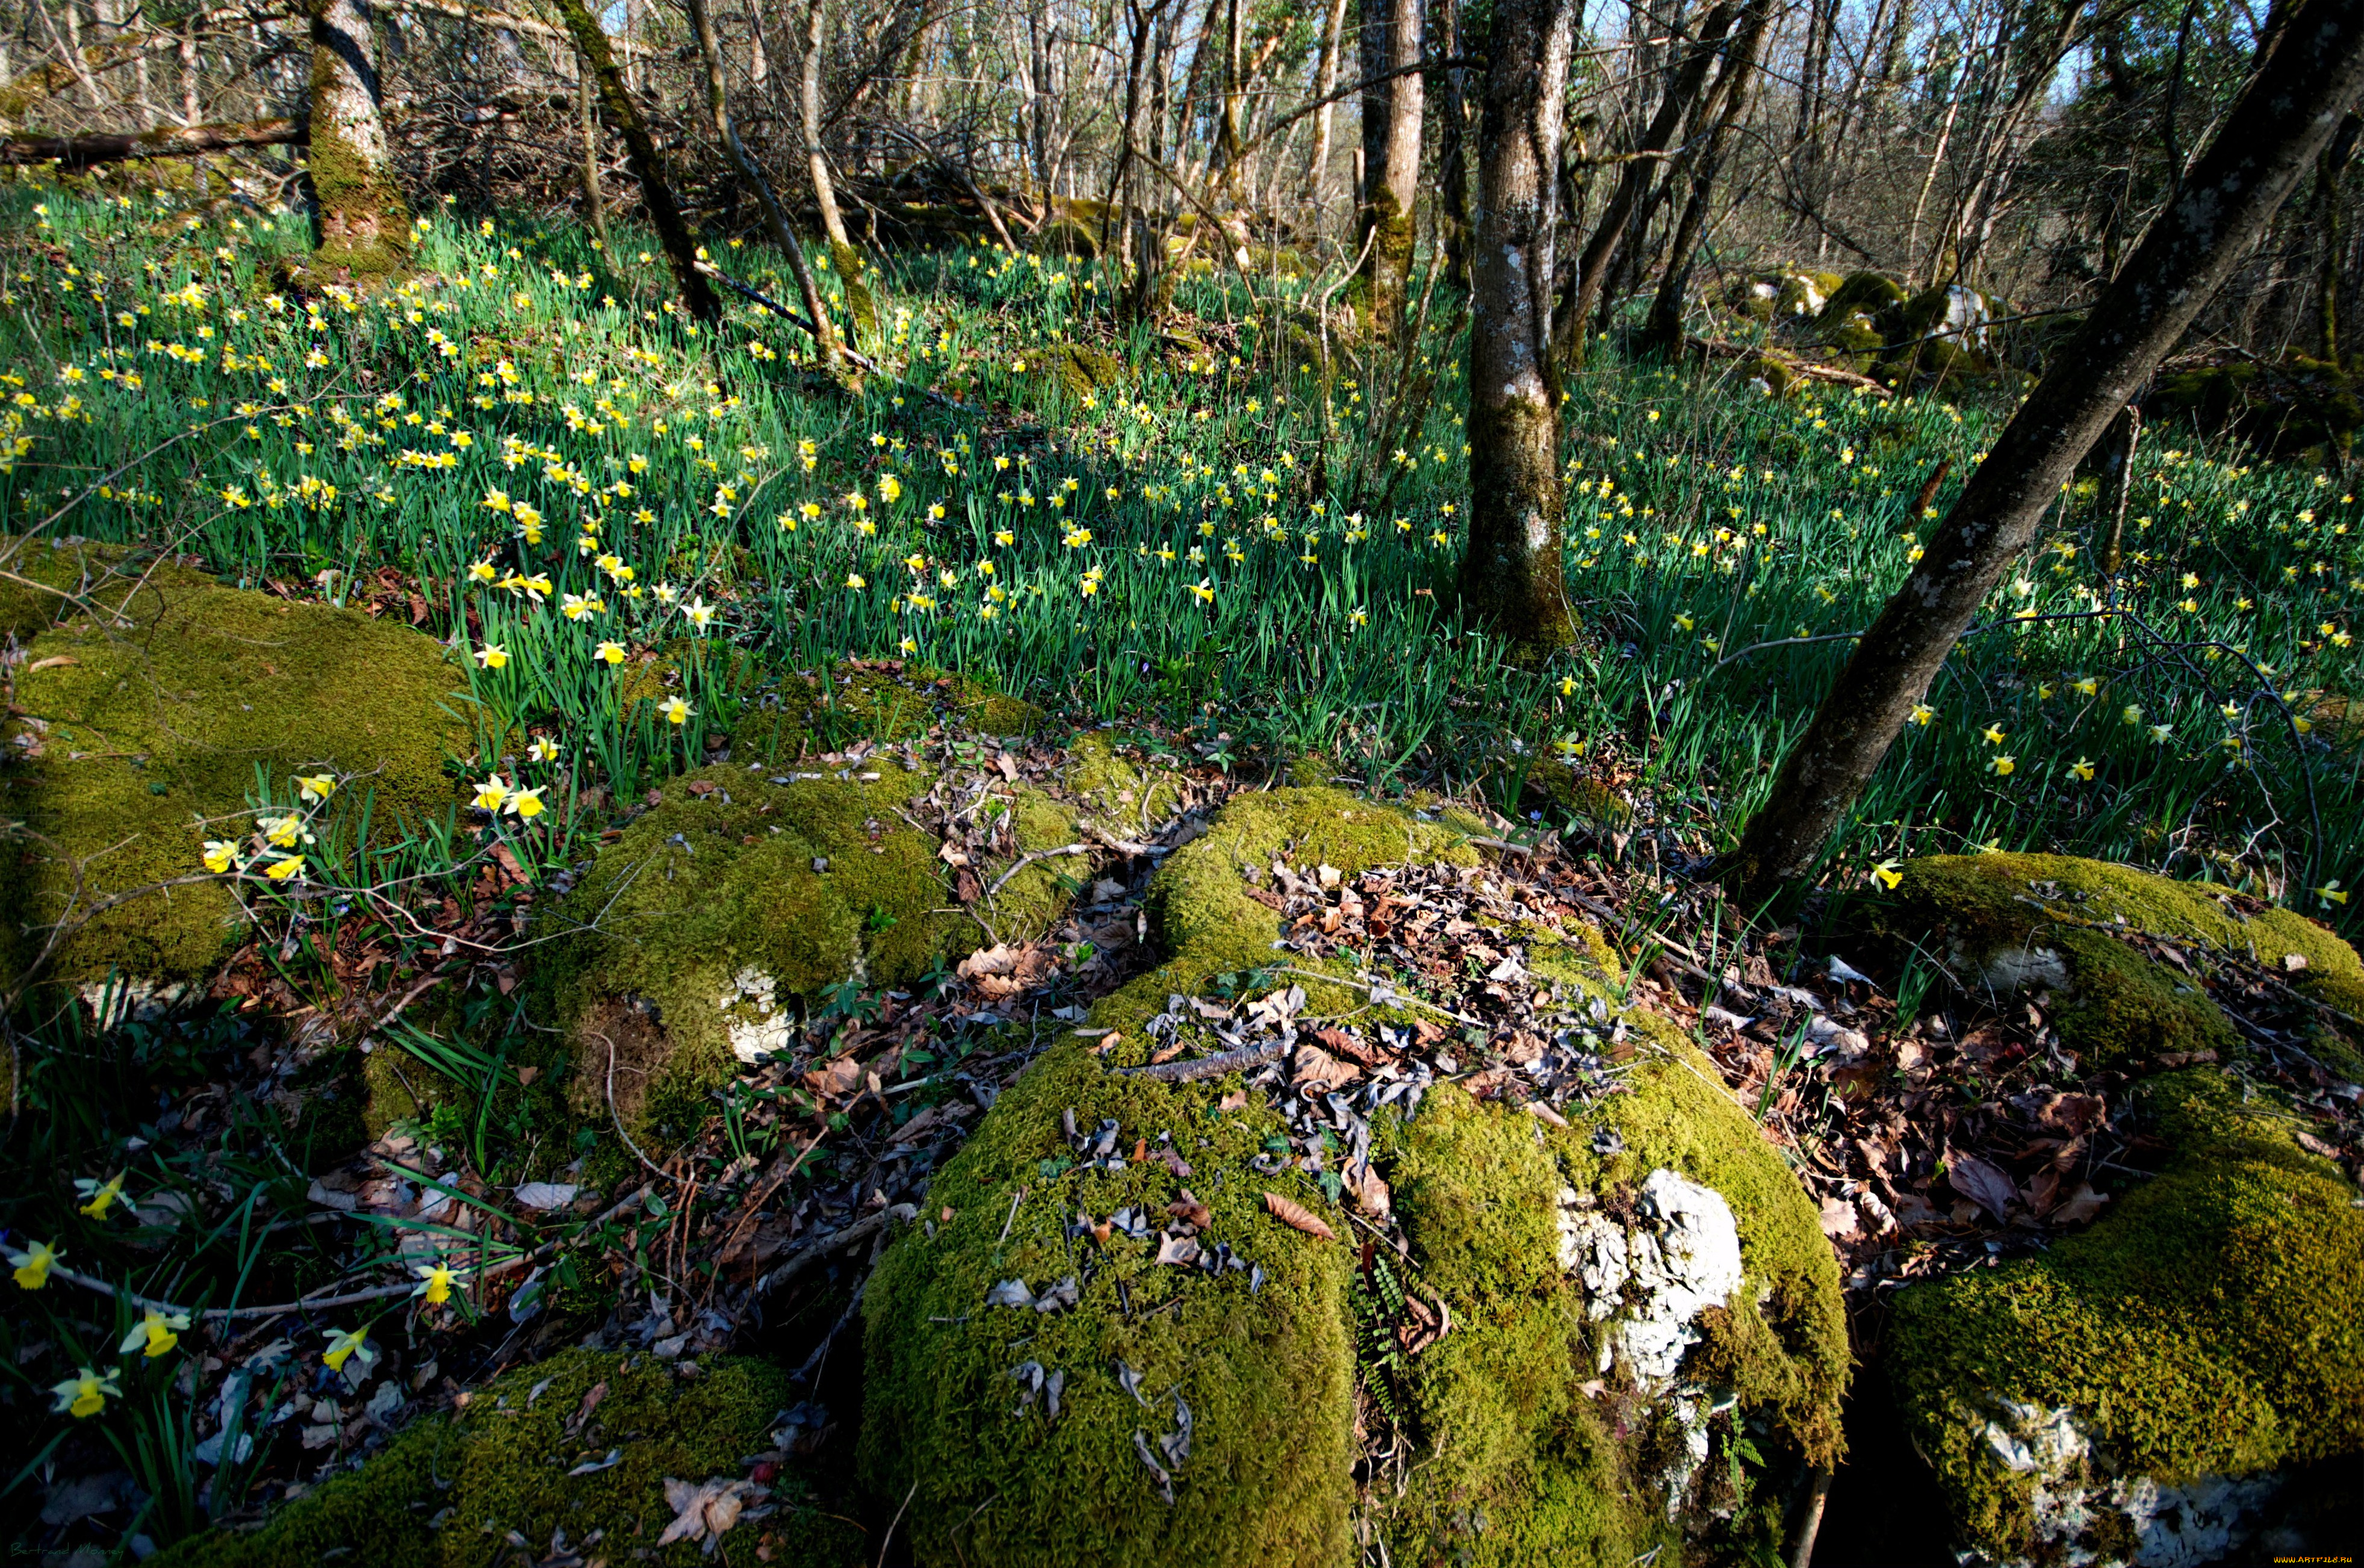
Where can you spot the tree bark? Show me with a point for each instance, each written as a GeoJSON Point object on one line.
{"type": "Point", "coordinates": [2328, 239]}
{"type": "Point", "coordinates": [1452, 146]}
{"type": "Point", "coordinates": [1390, 162]}
{"type": "Point", "coordinates": [595, 199]}
{"type": "Point", "coordinates": [1584, 293]}
{"type": "Point", "coordinates": [641, 151]}
{"type": "Point", "coordinates": [359, 221]}
{"type": "Point", "coordinates": [2301, 87]}
{"type": "Point", "coordinates": [168, 141]}
{"type": "Point", "coordinates": [783, 237]}
{"type": "Point", "coordinates": [1511, 576]}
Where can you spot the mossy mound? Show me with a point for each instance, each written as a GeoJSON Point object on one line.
{"type": "Point", "coordinates": [1522, 1457]}
{"type": "Point", "coordinates": [749, 887]}
{"type": "Point", "coordinates": [1083, 371]}
{"type": "Point", "coordinates": [2012, 922]}
{"type": "Point", "coordinates": [449, 1492]}
{"type": "Point", "coordinates": [167, 711]}
{"type": "Point", "coordinates": [1868, 292]}
{"type": "Point", "coordinates": [2285, 407]}
{"type": "Point", "coordinates": [786, 716]}
{"type": "Point", "coordinates": [2144, 1390]}
{"type": "Point", "coordinates": [1852, 340]}
{"type": "Point", "coordinates": [66, 578]}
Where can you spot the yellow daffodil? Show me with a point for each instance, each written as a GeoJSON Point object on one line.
{"type": "Point", "coordinates": [1993, 734]}
{"type": "Point", "coordinates": [2159, 733]}
{"type": "Point", "coordinates": [1889, 873]}
{"type": "Point", "coordinates": [220, 855]}
{"type": "Point", "coordinates": [84, 1394]}
{"type": "Point", "coordinates": [676, 711]}
{"type": "Point", "coordinates": [854, 580]}
{"type": "Point", "coordinates": [97, 1198]}
{"type": "Point", "coordinates": [492, 656]}
{"type": "Point", "coordinates": [32, 1265]}
{"type": "Point", "coordinates": [154, 1334]}
{"type": "Point", "coordinates": [543, 749]}
{"type": "Point", "coordinates": [2133, 714]}
{"type": "Point", "coordinates": [284, 868]}
{"type": "Point", "coordinates": [2082, 768]}
{"type": "Point", "coordinates": [2332, 893]}
{"type": "Point", "coordinates": [483, 571]}
{"type": "Point", "coordinates": [497, 500]}
{"type": "Point", "coordinates": [2088, 687]}
{"type": "Point", "coordinates": [575, 607]}
{"type": "Point", "coordinates": [492, 792]}
{"type": "Point", "coordinates": [434, 1283]}
{"type": "Point", "coordinates": [524, 804]}
{"type": "Point", "coordinates": [2002, 766]}
{"type": "Point", "coordinates": [609, 652]}
{"type": "Point", "coordinates": [317, 786]}
{"type": "Point", "coordinates": [700, 613]}
{"type": "Point", "coordinates": [1921, 714]}
{"type": "Point", "coordinates": [344, 1344]}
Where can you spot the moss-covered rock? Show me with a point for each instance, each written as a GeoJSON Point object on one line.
{"type": "Point", "coordinates": [1083, 371]}
{"type": "Point", "coordinates": [2149, 1390]}
{"type": "Point", "coordinates": [1539, 1440]}
{"type": "Point", "coordinates": [1852, 339]}
{"type": "Point", "coordinates": [2013, 922]}
{"type": "Point", "coordinates": [1868, 292]}
{"type": "Point", "coordinates": [785, 716]}
{"type": "Point", "coordinates": [2286, 407]}
{"type": "Point", "coordinates": [449, 1492]}
{"type": "Point", "coordinates": [169, 706]}
{"type": "Point", "coordinates": [748, 887]}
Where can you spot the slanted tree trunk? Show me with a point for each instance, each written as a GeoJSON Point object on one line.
{"type": "Point", "coordinates": [359, 224]}
{"type": "Point", "coordinates": [784, 238]}
{"type": "Point", "coordinates": [1592, 267]}
{"type": "Point", "coordinates": [1664, 331]}
{"type": "Point", "coordinates": [595, 199]}
{"type": "Point", "coordinates": [844, 256]}
{"type": "Point", "coordinates": [1512, 577]}
{"type": "Point", "coordinates": [1453, 145]}
{"type": "Point", "coordinates": [1391, 123]}
{"type": "Point", "coordinates": [2294, 104]}
{"type": "Point", "coordinates": [641, 152]}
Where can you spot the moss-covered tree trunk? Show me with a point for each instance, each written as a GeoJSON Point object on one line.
{"type": "Point", "coordinates": [1592, 268]}
{"type": "Point", "coordinates": [1512, 577]}
{"type": "Point", "coordinates": [360, 225]}
{"type": "Point", "coordinates": [2284, 119]}
{"type": "Point", "coordinates": [641, 152]}
{"type": "Point", "coordinates": [1391, 128]}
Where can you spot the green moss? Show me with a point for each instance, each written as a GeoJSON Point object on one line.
{"type": "Point", "coordinates": [2125, 1009]}
{"type": "Point", "coordinates": [2208, 1324]}
{"type": "Point", "coordinates": [500, 1465]}
{"type": "Point", "coordinates": [1083, 371]}
{"type": "Point", "coordinates": [1990, 907]}
{"type": "Point", "coordinates": [63, 579]}
{"type": "Point", "coordinates": [1266, 1373]}
{"type": "Point", "coordinates": [146, 729]}
{"type": "Point", "coordinates": [1868, 292]}
{"type": "Point", "coordinates": [807, 882]}
{"type": "Point", "coordinates": [1853, 338]}
{"type": "Point", "coordinates": [1578, 796]}
{"type": "Point", "coordinates": [1516, 1463]}
{"type": "Point", "coordinates": [2285, 407]}
{"type": "Point", "coordinates": [852, 269]}
{"type": "Point", "coordinates": [790, 715]}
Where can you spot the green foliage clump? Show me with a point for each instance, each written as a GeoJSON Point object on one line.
{"type": "Point", "coordinates": [2208, 1325]}
{"type": "Point", "coordinates": [448, 1491]}
{"type": "Point", "coordinates": [810, 881]}
{"type": "Point", "coordinates": [875, 700]}
{"type": "Point", "coordinates": [168, 714]}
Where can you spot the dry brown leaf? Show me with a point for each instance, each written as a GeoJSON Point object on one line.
{"type": "Point", "coordinates": [1295, 1214]}
{"type": "Point", "coordinates": [2079, 1205]}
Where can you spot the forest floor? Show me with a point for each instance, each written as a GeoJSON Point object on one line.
{"type": "Point", "coordinates": [1207, 550]}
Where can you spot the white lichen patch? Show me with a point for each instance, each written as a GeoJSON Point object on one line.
{"type": "Point", "coordinates": [752, 1012]}
{"type": "Point", "coordinates": [2203, 1521]}
{"type": "Point", "coordinates": [1652, 1278]}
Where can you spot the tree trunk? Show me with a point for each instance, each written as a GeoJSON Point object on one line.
{"type": "Point", "coordinates": [1512, 577]}
{"type": "Point", "coordinates": [784, 238]}
{"type": "Point", "coordinates": [1390, 162]}
{"type": "Point", "coordinates": [641, 152]}
{"type": "Point", "coordinates": [848, 262]}
{"type": "Point", "coordinates": [1592, 267]}
{"type": "Point", "coordinates": [1325, 81]}
{"type": "Point", "coordinates": [1453, 147]}
{"type": "Point", "coordinates": [1664, 331]}
{"type": "Point", "coordinates": [594, 198]}
{"type": "Point", "coordinates": [2328, 168]}
{"type": "Point", "coordinates": [2287, 115]}
{"type": "Point", "coordinates": [359, 222]}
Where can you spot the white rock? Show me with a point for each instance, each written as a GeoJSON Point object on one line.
{"type": "Point", "coordinates": [1680, 1257]}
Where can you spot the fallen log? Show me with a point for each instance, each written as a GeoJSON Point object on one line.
{"type": "Point", "coordinates": [165, 141]}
